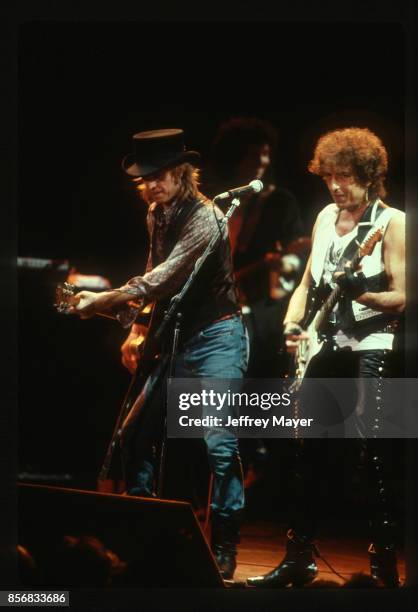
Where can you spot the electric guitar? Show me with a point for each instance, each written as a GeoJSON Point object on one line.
{"type": "Point", "coordinates": [149, 357]}
{"type": "Point", "coordinates": [320, 304]}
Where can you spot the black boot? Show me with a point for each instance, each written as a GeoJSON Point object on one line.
{"type": "Point", "coordinates": [297, 568]}
{"type": "Point", "coordinates": [225, 537]}
{"type": "Point", "coordinates": [383, 567]}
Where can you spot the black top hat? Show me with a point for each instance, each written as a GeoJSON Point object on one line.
{"type": "Point", "coordinates": [156, 150]}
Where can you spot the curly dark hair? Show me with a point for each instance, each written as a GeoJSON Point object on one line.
{"type": "Point", "coordinates": [357, 148]}
{"type": "Point", "coordinates": [233, 138]}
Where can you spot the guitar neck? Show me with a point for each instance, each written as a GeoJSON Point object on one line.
{"type": "Point", "coordinates": [334, 296]}
{"type": "Point", "coordinates": [327, 307]}
{"type": "Point", "coordinates": [106, 315]}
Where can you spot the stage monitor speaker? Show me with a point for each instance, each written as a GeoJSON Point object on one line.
{"type": "Point", "coordinates": [161, 539]}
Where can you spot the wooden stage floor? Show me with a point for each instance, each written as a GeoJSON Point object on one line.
{"type": "Point", "coordinates": [263, 546]}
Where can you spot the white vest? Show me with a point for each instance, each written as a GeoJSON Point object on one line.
{"type": "Point", "coordinates": [370, 265]}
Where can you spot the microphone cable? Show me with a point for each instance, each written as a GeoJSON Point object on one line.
{"type": "Point", "coordinates": [334, 571]}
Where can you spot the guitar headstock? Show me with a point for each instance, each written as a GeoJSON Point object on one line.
{"type": "Point", "coordinates": [64, 297]}
{"type": "Point", "coordinates": [368, 245]}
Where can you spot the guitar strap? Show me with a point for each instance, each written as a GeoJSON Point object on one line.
{"type": "Point", "coordinates": [357, 320]}
{"type": "Point", "coordinates": [367, 222]}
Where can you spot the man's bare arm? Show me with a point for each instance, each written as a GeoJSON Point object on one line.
{"type": "Point", "coordinates": [297, 304]}
{"type": "Point", "coordinates": [393, 300]}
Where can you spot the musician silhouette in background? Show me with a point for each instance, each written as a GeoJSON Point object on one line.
{"type": "Point", "coordinates": [359, 334]}
{"type": "Point", "coordinates": [260, 231]}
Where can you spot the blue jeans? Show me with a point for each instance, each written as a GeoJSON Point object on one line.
{"type": "Point", "coordinates": [219, 350]}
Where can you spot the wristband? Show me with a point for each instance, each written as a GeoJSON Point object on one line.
{"type": "Point", "coordinates": [291, 328]}
{"type": "Point", "coordinates": [352, 284]}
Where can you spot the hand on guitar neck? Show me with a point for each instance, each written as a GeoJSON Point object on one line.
{"type": "Point", "coordinates": [86, 304]}
{"type": "Point", "coordinates": [353, 285]}
{"type": "Point", "coordinates": [70, 300]}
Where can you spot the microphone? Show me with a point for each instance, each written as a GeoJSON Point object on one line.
{"type": "Point", "coordinates": [254, 187]}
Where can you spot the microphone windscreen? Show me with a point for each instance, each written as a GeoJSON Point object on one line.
{"type": "Point", "coordinates": [257, 186]}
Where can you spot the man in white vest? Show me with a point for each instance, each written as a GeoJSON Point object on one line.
{"type": "Point", "coordinates": [359, 333]}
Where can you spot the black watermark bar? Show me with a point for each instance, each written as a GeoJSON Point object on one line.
{"type": "Point", "coordinates": [34, 598]}
{"type": "Point", "coordinates": [292, 408]}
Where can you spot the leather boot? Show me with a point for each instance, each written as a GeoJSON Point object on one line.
{"type": "Point", "coordinates": [297, 568]}
{"type": "Point", "coordinates": [225, 537]}
{"type": "Point", "coordinates": [142, 480]}
{"type": "Point", "coordinates": [383, 567]}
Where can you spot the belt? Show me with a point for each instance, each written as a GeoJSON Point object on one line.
{"type": "Point", "coordinates": [388, 328]}
{"type": "Point", "coordinates": [229, 316]}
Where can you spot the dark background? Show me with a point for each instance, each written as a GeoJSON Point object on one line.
{"type": "Point", "coordinates": [84, 89]}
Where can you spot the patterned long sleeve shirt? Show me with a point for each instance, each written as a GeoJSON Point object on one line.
{"type": "Point", "coordinates": [165, 279]}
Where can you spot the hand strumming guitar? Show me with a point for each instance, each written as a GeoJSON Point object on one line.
{"type": "Point", "coordinates": [129, 349]}
{"type": "Point", "coordinates": [293, 334]}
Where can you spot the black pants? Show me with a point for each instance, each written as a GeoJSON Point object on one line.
{"type": "Point", "coordinates": [372, 454]}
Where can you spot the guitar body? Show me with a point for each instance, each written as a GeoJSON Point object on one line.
{"type": "Point", "coordinates": [309, 345]}
{"type": "Point", "coordinates": [111, 477]}
{"type": "Point", "coordinates": [113, 461]}
{"type": "Point", "coordinates": [320, 303]}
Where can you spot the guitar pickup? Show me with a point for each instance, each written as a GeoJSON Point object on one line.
{"type": "Point", "coordinates": [332, 318]}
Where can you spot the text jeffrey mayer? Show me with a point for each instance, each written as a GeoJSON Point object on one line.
{"type": "Point", "coordinates": [246, 421]}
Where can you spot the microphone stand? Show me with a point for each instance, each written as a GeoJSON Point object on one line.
{"type": "Point", "coordinates": [174, 345]}
{"type": "Point", "coordinates": [176, 299]}
{"type": "Point", "coordinates": [168, 317]}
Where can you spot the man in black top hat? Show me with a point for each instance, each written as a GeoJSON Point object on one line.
{"type": "Point", "coordinates": [213, 343]}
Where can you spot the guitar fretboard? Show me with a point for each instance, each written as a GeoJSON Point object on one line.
{"type": "Point", "coordinates": [334, 296]}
